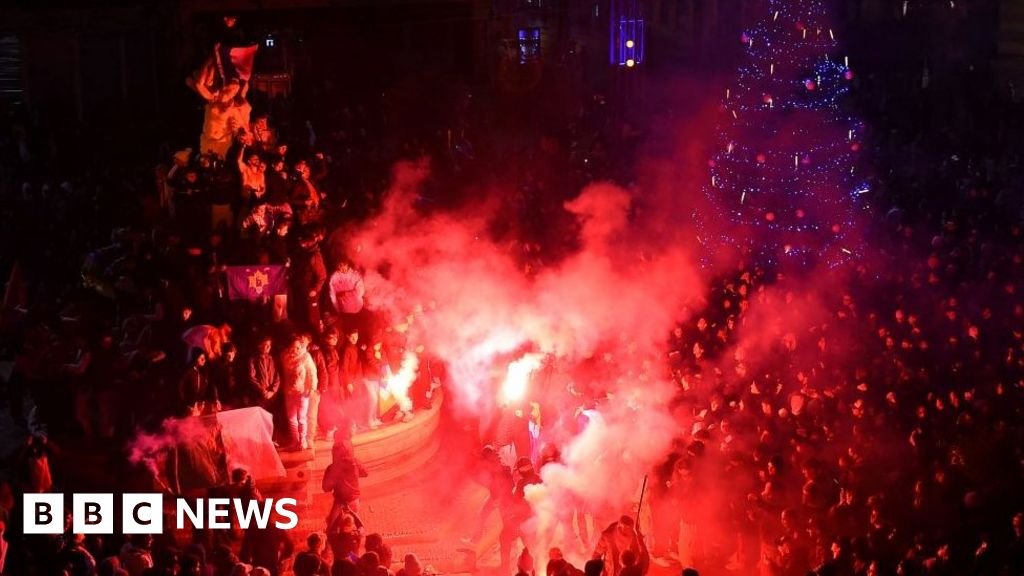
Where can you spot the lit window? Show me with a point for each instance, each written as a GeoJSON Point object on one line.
{"type": "Point", "coordinates": [627, 43]}
{"type": "Point", "coordinates": [529, 44]}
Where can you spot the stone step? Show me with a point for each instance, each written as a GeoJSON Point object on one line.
{"type": "Point", "coordinates": [386, 453]}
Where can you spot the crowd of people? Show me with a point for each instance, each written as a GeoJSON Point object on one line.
{"type": "Point", "coordinates": [117, 315]}
{"type": "Point", "coordinates": [881, 438]}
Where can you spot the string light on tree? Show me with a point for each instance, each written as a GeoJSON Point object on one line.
{"type": "Point", "coordinates": [785, 173]}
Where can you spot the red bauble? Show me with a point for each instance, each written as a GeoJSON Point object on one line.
{"type": "Point", "coordinates": [810, 85]}
{"type": "Point", "coordinates": [761, 158]}
{"type": "Point", "coordinates": [836, 228]}
{"type": "Point", "coordinates": [769, 216]}
{"type": "Point", "coordinates": [766, 98]}
{"type": "Point", "coordinates": [848, 74]}
{"type": "Point", "coordinates": [711, 163]}
{"type": "Point", "coordinates": [745, 38]}
{"type": "Point", "coordinates": [855, 146]}
{"type": "Point", "coordinates": [800, 26]}
{"type": "Point", "coordinates": [799, 213]}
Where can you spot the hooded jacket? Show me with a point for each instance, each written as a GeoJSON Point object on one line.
{"type": "Point", "coordinates": [298, 372]}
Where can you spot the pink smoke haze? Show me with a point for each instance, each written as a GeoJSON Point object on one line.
{"type": "Point", "coordinates": [463, 297]}
{"type": "Point", "coordinates": [595, 322]}
{"type": "Point", "coordinates": [147, 449]}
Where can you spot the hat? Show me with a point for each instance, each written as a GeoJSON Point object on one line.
{"type": "Point", "coordinates": [412, 564]}
{"type": "Point", "coordinates": [525, 563]}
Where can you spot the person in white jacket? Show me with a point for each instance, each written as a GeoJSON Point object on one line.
{"type": "Point", "coordinates": [347, 292]}
{"type": "Point", "coordinates": [299, 382]}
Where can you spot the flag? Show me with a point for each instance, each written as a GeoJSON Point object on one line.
{"type": "Point", "coordinates": [200, 452]}
{"type": "Point", "coordinates": [235, 61]}
{"type": "Point", "coordinates": [255, 282]}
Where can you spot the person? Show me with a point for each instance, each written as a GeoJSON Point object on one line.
{"type": "Point", "coordinates": [264, 380]}
{"type": "Point", "coordinates": [266, 547]}
{"type": "Point", "coordinates": [665, 511]}
{"type": "Point", "coordinates": [375, 543]}
{"type": "Point", "coordinates": [557, 564]}
{"type": "Point", "coordinates": [253, 176]}
{"type": "Point", "coordinates": [376, 375]}
{"type": "Point", "coordinates": [194, 390]}
{"type": "Point", "coordinates": [634, 564]}
{"type": "Point", "coordinates": [411, 566]}
{"type": "Point", "coordinates": [525, 564]}
{"type": "Point", "coordinates": [95, 370]}
{"type": "Point", "coordinates": [497, 478]}
{"type": "Point", "coordinates": [616, 539]}
{"type": "Point", "coordinates": [517, 511]}
{"type": "Point", "coordinates": [331, 390]}
{"type": "Point", "coordinates": [224, 378]}
{"type": "Point", "coordinates": [313, 411]}
{"type": "Point", "coordinates": [344, 533]}
{"type": "Point", "coordinates": [299, 381]}
{"type": "Point", "coordinates": [32, 461]}
{"type": "Point", "coordinates": [208, 338]}
{"type": "Point", "coordinates": [304, 193]}
{"type": "Point", "coordinates": [76, 557]}
{"type": "Point", "coordinates": [347, 291]}
{"type": "Point", "coordinates": [136, 556]}
{"type": "Point", "coordinates": [256, 225]}
{"type": "Point", "coordinates": [370, 565]}
{"type": "Point", "coordinates": [264, 137]}
{"type": "Point", "coordinates": [352, 377]}
{"type": "Point", "coordinates": [341, 478]}
{"type": "Point", "coordinates": [225, 112]}
{"type": "Point", "coordinates": [308, 274]}
{"type": "Point", "coordinates": [310, 562]}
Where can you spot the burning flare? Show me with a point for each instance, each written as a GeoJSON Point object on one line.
{"type": "Point", "coordinates": [517, 377]}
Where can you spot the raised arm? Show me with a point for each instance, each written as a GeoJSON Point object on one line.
{"type": "Point", "coordinates": [644, 560]}
{"type": "Point", "coordinates": [241, 159]}
{"type": "Point", "coordinates": [79, 367]}
{"type": "Point", "coordinates": [205, 80]}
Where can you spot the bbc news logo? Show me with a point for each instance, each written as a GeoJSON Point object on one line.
{"type": "Point", "coordinates": [143, 513]}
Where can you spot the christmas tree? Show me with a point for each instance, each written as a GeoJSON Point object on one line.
{"type": "Point", "coordinates": [784, 181]}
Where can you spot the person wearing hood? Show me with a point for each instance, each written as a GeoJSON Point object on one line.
{"type": "Point", "coordinates": [411, 566]}
{"type": "Point", "coordinates": [516, 511]}
{"type": "Point", "coordinates": [194, 390]}
{"type": "Point", "coordinates": [341, 478]}
{"type": "Point", "coordinates": [617, 539]}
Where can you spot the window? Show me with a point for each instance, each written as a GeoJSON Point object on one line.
{"type": "Point", "coordinates": [529, 44]}
{"type": "Point", "coordinates": [627, 43]}
{"type": "Point", "coordinates": [10, 68]}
